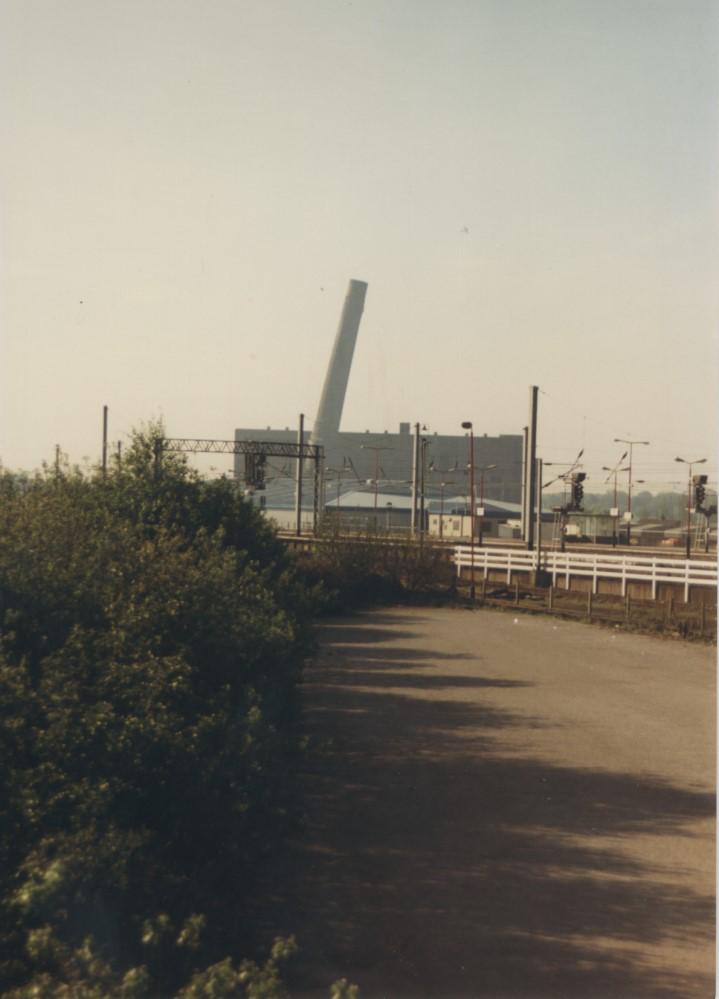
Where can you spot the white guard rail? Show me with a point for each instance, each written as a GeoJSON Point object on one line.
{"type": "Point", "coordinates": [626, 568]}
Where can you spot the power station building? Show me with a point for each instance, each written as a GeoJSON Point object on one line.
{"type": "Point", "coordinates": [370, 460]}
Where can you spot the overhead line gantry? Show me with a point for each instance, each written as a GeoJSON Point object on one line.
{"type": "Point", "coordinates": [254, 450]}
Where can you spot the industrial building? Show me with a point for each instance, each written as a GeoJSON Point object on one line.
{"type": "Point", "coordinates": [365, 460]}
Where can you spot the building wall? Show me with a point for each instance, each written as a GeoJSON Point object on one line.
{"type": "Point", "coordinates": [448, 453]}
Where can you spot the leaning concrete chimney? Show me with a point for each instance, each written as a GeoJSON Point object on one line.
{"type": "Point", "coordinates": [329, 414]}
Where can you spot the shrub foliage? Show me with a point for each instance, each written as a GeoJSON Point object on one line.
{"type": "Point", "coordinates": [348, 573]}
{"type": "Point", "coordinates": [152, 638]}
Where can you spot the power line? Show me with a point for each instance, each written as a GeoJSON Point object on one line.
{"type": "Point", "coordinates": [578, 412]}
{"type": "Point", "coordinates": [561, 402]}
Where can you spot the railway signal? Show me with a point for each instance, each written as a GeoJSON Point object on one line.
{"type": "Point", "coordinates": [255, 469]}
{"type": "Point", "coordinates": [699, 482]}
{"type": "Point", "coordinates": [568, 480]}
{"type": "Point", "coordinates": [692, 482]}
{"type": "Point", "coordinates": [577, 490]}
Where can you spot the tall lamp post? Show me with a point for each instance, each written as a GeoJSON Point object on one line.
{"type": "Point", "coordinates": [338, 472]}
{"type": "Point", "coordinates": [696, 461]}
{"type": "Point", "coordinates": [621, 440]}
{"type": "Point", "coordinates": [442, 487]}
{"type": "Point", "coordinates": [632, 482]}
{"type": "Point", "coordinates": [424, 444]}
{"type": "Point", "coordinates": [467, 425]}
{"type": "Point", "coordinates": [482, 470]}
{"type": "Point", "coordinates": [613, 472]}
{"type": "Point", "coordinates": [376, 448]}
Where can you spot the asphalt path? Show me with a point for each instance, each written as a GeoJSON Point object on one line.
{"type": "Point", "coordinates": [506, 806]}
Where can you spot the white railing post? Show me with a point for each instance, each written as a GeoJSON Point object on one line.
{"type": "Point", "coordinates": [643, 569]}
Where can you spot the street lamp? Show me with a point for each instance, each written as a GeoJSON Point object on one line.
{"type": "Point", "coordinates": [424, 444]}
{"type": "Point", "coordinates": [467, 425]}
{"type": "Point", "coordinates": [442, 487]}
{"type": "Point", "coordinates": [613, 472]}
{"type": "Point", "coordinates": [338, 472]}
{"type": "Point", "coordinates": [376, 448]}
{"type": "Point", "coordinates": [696, 461]}
{"type": "Point", "coordinates": [482, 470]}
{"type": "Point", "coordinates": [621, 440]}
{"type": "Point", "coordinates": [633, 482]}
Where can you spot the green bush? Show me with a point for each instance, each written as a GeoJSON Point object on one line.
{"type": "Point", "coordinates": [346, 573]}
{"type": "Point", "coordinates": [152, 635]}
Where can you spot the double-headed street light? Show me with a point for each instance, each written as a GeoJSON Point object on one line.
{"type": "Point", "coordinates": [338, 472]}
{"type": "Point", "coordinates": [613, 473]}
{"type": "Point", "coordinates": [467, 425]}
{"type": "Point", "coordinates": [633, 482]}
{"type": "Point", "coordinates": [621, 440]}
{"type": "Point", "coordinates": [376, 448]}
{"type": "Point", "coordinates": [442, 487]}
{"type": "Point", "coordinates": [684, 461]}
{"type": "Point", "coordinates": [482, 470]}
{"type": "Point", "coordinates": [423, 445]}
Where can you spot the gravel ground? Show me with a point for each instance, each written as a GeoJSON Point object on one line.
{"type": "Point", "coordinates": [505, 806]}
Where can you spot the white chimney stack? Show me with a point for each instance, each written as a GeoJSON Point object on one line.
{"type": "Point", "coordinates": [329, 414]}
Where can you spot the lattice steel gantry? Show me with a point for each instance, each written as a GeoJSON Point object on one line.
{"type": "Point", "coordinates": [261, 449]}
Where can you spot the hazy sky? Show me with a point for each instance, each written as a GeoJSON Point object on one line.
{"type": "Point", "coordinates": [529, 187]}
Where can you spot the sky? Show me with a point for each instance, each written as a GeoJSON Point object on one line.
{"type": "Point", "coordinates": [529, 187]}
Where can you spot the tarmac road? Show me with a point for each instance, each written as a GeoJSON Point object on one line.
{"type": "Point", "coordinates": [506, 807]}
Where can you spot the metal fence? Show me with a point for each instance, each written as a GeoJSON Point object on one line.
{"type": "Point", "coordinates": [566, 565]}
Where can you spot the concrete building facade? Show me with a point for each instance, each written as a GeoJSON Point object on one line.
{"type": "Point", "coordinates": [360, 457]}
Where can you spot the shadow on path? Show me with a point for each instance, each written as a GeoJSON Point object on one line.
{"type": "Point", "coordinates": [432, 866]}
